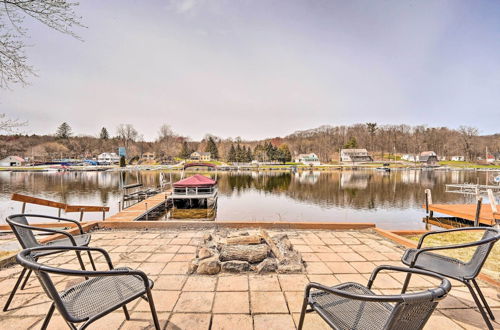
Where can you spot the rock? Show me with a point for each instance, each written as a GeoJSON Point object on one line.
{"type": "Point", "coordinates": [235, 266]}
{"type": "Point", "coordinates": [209, 266]}
{"type": "Point", "coordinates": [193, 265]}
{"type": "Point", "coordinates": [204, 253]}
{"type": "Point", "coordinates": [207, 237]}
{"type": "Point", "coordinates": [250, 253]}
{"type": "Point", "coordinates": [290, 268]}
{"type": "Point", "coordinates": [267, 265]}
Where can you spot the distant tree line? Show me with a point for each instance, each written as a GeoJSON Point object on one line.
{"type": "Point", "coordinates": [326, 141]}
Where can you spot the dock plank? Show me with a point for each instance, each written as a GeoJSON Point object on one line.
{"type": "Point", "coordinates": [138, 210]}
{"type": "Point", "coordinates": [466, 211]}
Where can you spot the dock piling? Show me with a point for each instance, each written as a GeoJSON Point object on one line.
{"type": "Point", "coordinates": [478, 211]}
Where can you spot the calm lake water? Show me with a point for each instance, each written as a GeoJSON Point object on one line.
{"type": "Point", "coordinates": [391, 200]}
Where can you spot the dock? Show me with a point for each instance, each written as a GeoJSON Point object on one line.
{"type": "Point", "coordinates": [467, 212]}
{"type": "Point", "coordinates": [141, 209]}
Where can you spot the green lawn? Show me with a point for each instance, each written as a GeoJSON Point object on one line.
{"type": "Point", "coordinates": [466, 164]}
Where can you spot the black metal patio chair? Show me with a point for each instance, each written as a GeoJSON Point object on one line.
{"type": "Point", "coordinates": [465, 272]}
{"type": "Point", "coordinates": [93, 298]}
{"type": "Point", "coordinates": [352, 306]}
{"type": "Point", "coordinates": [24, 232]}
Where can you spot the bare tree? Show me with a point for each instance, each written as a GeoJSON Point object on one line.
{"type": "Point", "coordinates": [127, 133]}
{"type": "Point", "coordinates": [9, 125]}
{"type": "Point", "coordinates": [56, 14]}
{"type": "Point", "coordinates": [468, 135]}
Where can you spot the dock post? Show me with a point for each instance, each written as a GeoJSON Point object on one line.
{"type": "Point", "coordinates": [493, 202]}
{"type": "Point", "coordinates": [23, 208]}
{"type": "Point", "coordinates": [478, 211]}
{"type": "Point", "coordinates": [81, 215]}
{"type": "Point", "coordinates": [146, 211]}
{"type": "Point", "coordinates": [119, 206]}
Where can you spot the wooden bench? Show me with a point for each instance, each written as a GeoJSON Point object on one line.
{"type": "Point", "coordinates": [60, 206]}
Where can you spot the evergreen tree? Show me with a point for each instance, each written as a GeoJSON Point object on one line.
{"type": "Point", "coordinates": [231, 156]}
{"type": "Point", "coordinates": [249, 155]}
{"type": "Point", "coordinates": [239, 154]}
{"type": "Point", "coordinates": [122, 161]}
{"type": "Point", "coordinates": [283, 154]}
{"type": "Point", "coordinates": [351, 144]}
{"type": "Point", "coordinates": [212, 148]}
{"type": "Point", "coordinates": [63, 131]}
{"type": "Point", "coordinates": [185, 152]}
{"type": "Point", "coordinates": [104, 135]}
{"type": "Point", "coordinates": [259, 153]}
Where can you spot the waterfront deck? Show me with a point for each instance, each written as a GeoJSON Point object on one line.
{"type": "Point", "coordinates": [467, 212]}
{"type": "Point", "coordinates": [140, 209]}
{"type": "Point", "coordinates": [237, 301]}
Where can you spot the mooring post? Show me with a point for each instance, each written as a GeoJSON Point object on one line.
{"type": "Point", "coordinates": [119, 206]}
{"type": "Point", "coordinates": [478, 211]}
{"type": "Point", "coordinates": [493, 202]}
{"type": "Point", "coordinates": [146, 210]}
{"type": "Point", "coordinates": [23, 208]}
{"type": "Point", "coordinates": [81, 215]}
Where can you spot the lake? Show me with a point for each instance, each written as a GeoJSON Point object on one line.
{"type": "Point", "coordinates": [391, 200]}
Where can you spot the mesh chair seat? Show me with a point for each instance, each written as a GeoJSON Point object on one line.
{"type": "Point", "coordinates": [349, 313]}
{"type": "Point", "coordinates": [96, 295]}
{"type": "Point", "coordinates": [440, 264]}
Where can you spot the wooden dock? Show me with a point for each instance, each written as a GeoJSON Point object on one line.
{"type": "Point", "coordinates": [140, 209]}
{"type": "Point", "coordinates": [467, 212]}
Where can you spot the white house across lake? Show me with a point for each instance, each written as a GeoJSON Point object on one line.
{"type": "Point", "coordinates": [308, 159]}
{"type": "Point", "coordinates": [12, 161]}
{"type": "Point", "coordinates": [108, 158]}
{"type": "Point", "coordinates": [355, 155]}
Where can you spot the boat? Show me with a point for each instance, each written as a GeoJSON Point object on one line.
{"type": "Point", "coordinates": [195, 192]}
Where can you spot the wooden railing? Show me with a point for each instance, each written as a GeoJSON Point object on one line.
{"type": "Point", "coordinates": [60, 206]}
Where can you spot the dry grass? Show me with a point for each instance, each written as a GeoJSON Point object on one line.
{"type": "Point", "coordinates": [492, 265]}
{"type": "Point", "coordinates": [5, 254]}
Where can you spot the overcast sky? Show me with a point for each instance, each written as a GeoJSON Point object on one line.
{"type": "Point", "coordinates": [265, 68]}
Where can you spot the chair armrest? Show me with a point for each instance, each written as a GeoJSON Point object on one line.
{"type": "Point", "coordinates": [48, 230]}
{"type": "Point", "coordinates": [421, 240]}
{"type": "Point", "coordinates": [73, 248]}
{"type": "Point", "coordinates": [344, 294]}
{"type": "Point", "coordinates": [445, 284]}
{"type": "Point", "coordinates": [56, 218]}
{"type": "Point", "coordinates": [453, 246]}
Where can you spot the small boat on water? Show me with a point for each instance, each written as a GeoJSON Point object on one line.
{"type": "Point", "coordinates": [195, 192]}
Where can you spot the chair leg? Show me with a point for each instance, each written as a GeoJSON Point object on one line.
{"type": "Point", "coordinates": [125, 311]}
{"type": "Point", "coordinates": [488, 309]}
{"type": "Point", "coordinates": [80, 261]}
{"type": "Point", "coordinates": [91, 261]}
{"type": "Point", "coordinates": [302, 313]}
{"type": "Point", "coordinates": [406, 283]}
{"type": "Point", "coordinates": [48, 317]}
{"type": "Point", "coordinates": [153, 310]}
{"type": "Point", "coordinates": [478, 303]}
{"type": "Point", "coordinates": [13, 292]}
{"type": "Point", "coordinates": [26, 279]}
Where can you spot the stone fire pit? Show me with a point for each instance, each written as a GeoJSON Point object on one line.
{"type": "Point", "coordinates": [255, 251]}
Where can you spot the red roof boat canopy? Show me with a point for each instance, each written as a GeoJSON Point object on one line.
{"type": "Point", "coordinates": [196, 180]}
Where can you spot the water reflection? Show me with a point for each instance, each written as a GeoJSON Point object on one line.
{"type": "Point", "coordinates": [391, 200]}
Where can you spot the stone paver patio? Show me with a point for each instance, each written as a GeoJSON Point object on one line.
{"type": "Point", "coordinates": [241, 301]}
